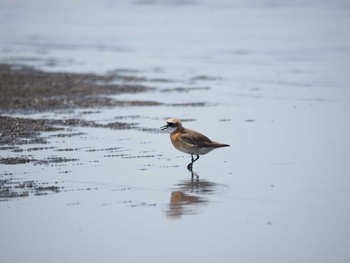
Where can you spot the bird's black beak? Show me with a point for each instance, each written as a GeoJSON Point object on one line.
{"type": "Point", "coordinates": [164, 127]}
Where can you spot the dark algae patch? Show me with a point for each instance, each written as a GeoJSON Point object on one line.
{"type": "Point", "coordinates": [16, 160]}
{"type": "Point", "coordinates": [23, 130]}
{"type": "Point", "coordinates": [26, 89]}
{"type": "Point", "coordinates": [26, 130]}
{"type": "Point", "coordinates": [12, 189]}
{"type": "Point", "coordinates": [25, 159]}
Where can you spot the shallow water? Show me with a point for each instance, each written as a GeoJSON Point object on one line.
{"type": "Point", "coordinates": [270, 79]}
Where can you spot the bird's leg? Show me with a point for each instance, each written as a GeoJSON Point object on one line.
{"type": "Point", "coordinates": [195, 159]}
{"type": "Point", "coordinates": [190, 165]}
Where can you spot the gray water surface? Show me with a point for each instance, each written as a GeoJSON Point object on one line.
{"type": "Point", "coordinates": [269, 78]}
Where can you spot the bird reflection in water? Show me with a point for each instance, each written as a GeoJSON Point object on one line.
{"type": "Point", "coordinates": [188, 196]}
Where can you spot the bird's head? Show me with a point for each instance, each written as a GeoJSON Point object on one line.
{"type": "Point", "coordinates": [172, 124]}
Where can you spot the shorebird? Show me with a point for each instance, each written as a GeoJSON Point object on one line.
{"type": "Point", "coordinates": [189, 141]}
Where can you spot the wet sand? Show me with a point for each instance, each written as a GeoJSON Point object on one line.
{"type": "Point", "coordinates": [26, 91]}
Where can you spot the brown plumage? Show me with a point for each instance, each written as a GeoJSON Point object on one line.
{"type": "Point", "coordinates": [189, 141]}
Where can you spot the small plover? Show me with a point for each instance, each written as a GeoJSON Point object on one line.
{"type": "Point", "coordinates": [189, 141]}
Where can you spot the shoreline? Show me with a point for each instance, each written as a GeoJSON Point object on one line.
{"type": "Point", "coordinates": [25, 90]}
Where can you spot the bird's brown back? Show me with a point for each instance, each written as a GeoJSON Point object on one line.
{"type": "Point", "coordinates": [197, 139]}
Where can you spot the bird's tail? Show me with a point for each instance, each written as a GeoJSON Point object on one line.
{"type": "Point", "coordinates": [218, 145]}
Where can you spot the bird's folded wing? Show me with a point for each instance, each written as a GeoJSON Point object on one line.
{"type": "Point", "coordinates": [195, 139]}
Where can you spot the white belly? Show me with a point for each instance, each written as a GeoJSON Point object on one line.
{"type": "Point", "coordinates": [198, 151]}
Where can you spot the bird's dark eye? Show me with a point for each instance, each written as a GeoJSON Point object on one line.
{"type": "Point", "coordinates": [170, 124]}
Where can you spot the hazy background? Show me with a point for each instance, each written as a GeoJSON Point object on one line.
{"type": "Point", "coordinates": [274, 79]}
